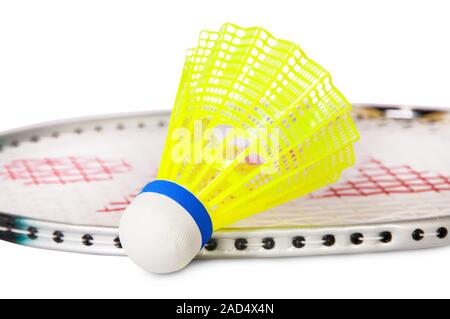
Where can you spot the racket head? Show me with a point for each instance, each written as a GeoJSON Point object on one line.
{"type": "Point", "coordinates": [65, 184]}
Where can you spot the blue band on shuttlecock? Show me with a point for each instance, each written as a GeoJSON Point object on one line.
{"type": "Point", "coordinates": [187, 200]}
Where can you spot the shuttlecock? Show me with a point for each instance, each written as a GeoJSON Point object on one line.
{"type": "Point", "coordinates": [256, 123]}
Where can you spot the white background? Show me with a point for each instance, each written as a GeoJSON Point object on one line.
{"type": "Point", "coordinates": [61, 59]}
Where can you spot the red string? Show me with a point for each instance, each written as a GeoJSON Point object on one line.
{"type": "Point", "coordinates": [63, 170]}
{"type": "Point", "coordinates": [376, 178]}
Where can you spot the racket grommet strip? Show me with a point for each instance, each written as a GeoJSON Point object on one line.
{"type": "Point", "coordinates": [329, 240]}
{"type": "Point", "coordinates": [298, 242]}
{"type": "Point", "coordinates": [32, 232]}
{"type": "Point", "coordinates": [117, 243]}
{"type": "Point", "coordinates": [58, 237]}
{"type": "Point", "coordinates": [211, 244]}
{"type": "Point", "coordinates": [268, 243]}
{"type": "Point", "coordinates": [386, 237]}
{"type": "Point", "coordinates": [418, 234]}
{"type": "Point", "coordinates": [356, 238]}
{"type": "Point", "coordinates": [441, 232]}
{"type": "Point", "coordinates": [87, 240]}
{"type": "Point", "coordinates": [241, 243]}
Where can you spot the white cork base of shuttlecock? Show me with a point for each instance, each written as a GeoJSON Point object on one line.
{"type": "Point", "coordinates": [158, 234]}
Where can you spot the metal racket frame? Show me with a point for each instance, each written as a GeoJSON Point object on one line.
{"type": "Point", "coordinates": [233, 242]}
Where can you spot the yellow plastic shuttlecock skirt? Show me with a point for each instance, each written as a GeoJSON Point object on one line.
{"type": "Point", "coordinates": [255, 124]}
